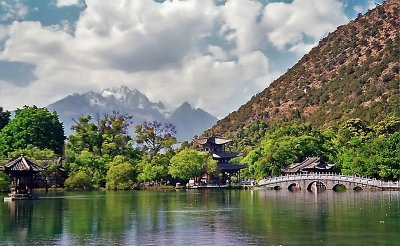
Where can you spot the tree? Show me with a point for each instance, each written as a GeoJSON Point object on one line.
{"type": "Point", "coordinates": [32, 126]}
{"type": "Point", "coordinates": [4, 182]}
{"type": "Point", "coordinates": [121, 174]}
{"type": "Point", "coordinates": [152, 137]}
{"type": "Point", "coordinates": [95, 144]}
{"type": "Point", "coordinates": [4, 117]}
{"type": "Point", "coordinates": [78, 180]}
{"type": "Point", "coordinates": [190, 163]}
{"type": "Point", "coordinates": [108, 136]}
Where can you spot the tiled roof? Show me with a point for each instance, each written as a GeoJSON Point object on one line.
{"type": "Point", "coordinates": [230, 167]}
{"type": "Point", "coordinates": [214, 140]}
{"type": "Point", "coordinates": [308, 163]}
{"type": "Point", "coordinates": [225, 154]}
{"type": "Point", "coordinates": [22, 164]}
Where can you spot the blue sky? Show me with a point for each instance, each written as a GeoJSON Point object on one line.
{"type": "Point", "coordinates": [215, 54]}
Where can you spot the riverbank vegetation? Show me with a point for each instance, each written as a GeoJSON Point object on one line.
{"type": "Point", "coordinates": [106, 152]}
{"type": "Point", "coordinates": [356, 148]}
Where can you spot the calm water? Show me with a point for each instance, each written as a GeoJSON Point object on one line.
{"type": "Point", "coordinates": [206, 217]}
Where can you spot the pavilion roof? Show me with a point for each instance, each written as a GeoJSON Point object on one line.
{"type": "Point", "coordinates": [224, 154]}
{"type": "Point", "coordinates": [21, 164]}
{"type": "Point", "coordinates": [230, 167]}
{"type": "Point", "coordinates": [213, 139]}
{"type": "Point", "coordinates": [308, 163]}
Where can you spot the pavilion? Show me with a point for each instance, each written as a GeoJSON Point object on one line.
{"type": "Point", "coordinates": [216, 146]}
{"type": "Point", "coordinates": [22, 172]}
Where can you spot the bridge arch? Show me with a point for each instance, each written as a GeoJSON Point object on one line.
{"type": "Point", "coordinates": [294, 187]}
{"type": "Point", "coordinates": [358, 188]}
{"type": "Point", "coordinates": [316, 186]}
{"type": "Point", "coordinates": [277, 187]}
{"type": "Point", "coordinates": [339, 188]}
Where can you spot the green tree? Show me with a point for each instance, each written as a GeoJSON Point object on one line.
{"type": "Point", "coordinates": [121, 174]}
{"type": "Point", "coordinates": [190, 163]}
{"type": "Point", "coordinates": [152, 137]}
{"type": "Point", "coordinates": [4, 117]}
{"type": "Point", "coordinates": [283, 145]}
{"type": "Point", "coordinates": [78, 180]}
{"type": "Point", "coordinates": [4, 182]}
{"type": "Point", "coordinates": [32, 126]}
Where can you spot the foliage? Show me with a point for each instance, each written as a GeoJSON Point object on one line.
{"type": "Point", "coordinates": [356, 147]}
{"type": "Point", "coordinates": [190, 163]}
{"type": "Point", "coordinates": [78, 180]}
{"type": "Point", "coordinates": [284, 145]}
{"type": "Point", "coordinates": [95, 144]}
{"type": "Point", "coordinates": [32, 126]}
{"type": "Point", "coordinates": [152, 137]}
{"type": "Point", "coordinates": [121, 174]}
{"type": "Point", "coordinates": [4, 182]}
{"type": "Point", "coordinates": [154, 168]}
{"type": "Point", "coordinates": [93, 165]}
{"type": "Point", "coordinates": [33, 152]}
{"type": "Point", "coordinates": [4, 117]}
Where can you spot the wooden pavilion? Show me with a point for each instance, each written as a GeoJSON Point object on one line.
{"type": "Point", "coordinates": [309, 165]}
{"type": "Point", "coordinates": [216, 146]}
{"type": "Point", "coordinates": [22, 172]}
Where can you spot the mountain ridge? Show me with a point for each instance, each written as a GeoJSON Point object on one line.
{"type": "Point", "coordinates": [351, 73]}
{"type": "Point", "coordinates": [133, 102]}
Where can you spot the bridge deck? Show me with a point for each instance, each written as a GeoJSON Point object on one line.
{"type": "Point", "coordinates": [337, 178]}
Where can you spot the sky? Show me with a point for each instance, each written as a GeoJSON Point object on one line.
{"type": "Point", "coordinates": [215, 54]}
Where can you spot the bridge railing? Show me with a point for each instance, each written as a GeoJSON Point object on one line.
{"type": "Point", "coordinates": [331, 177]}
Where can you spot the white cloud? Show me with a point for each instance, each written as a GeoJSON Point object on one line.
{"type": "Point", "coordinates": [67, 3]}
{"type": "Point", "coordinates": [210, 55]}
{"type": "Point", "coordinates": [289, 25]}
{"type": "Point", "coordinates": [3, 32]}
{"type": "Point", "coordinates": [14, 9]}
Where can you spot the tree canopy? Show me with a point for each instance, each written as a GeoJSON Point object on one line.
{"type": "Point", "coordinates": [32, 126]}
{"type": "Point", "coordinates": [4, 117]}
{"type": "Point", "coordinates": [152, 137]}
{"type": "Point", "coordinates": [189, 163]}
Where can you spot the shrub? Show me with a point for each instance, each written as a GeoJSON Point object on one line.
{"type": "Point", "coordinates": [4, 182]}
{"type": "Point", "coordinates": [120, 177]}
{"type": "Point", "coordinates": [78, 180]}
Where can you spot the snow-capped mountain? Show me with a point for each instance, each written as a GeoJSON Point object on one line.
{"type": "Point", "coordinates": [188, 121]}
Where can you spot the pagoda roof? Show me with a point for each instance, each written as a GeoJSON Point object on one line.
{"type": "Point", "coordinates": [225, 154]}
{"type": "Point", "coordinates": [230, 167]}
{"type": "Point", "coordinates": [213, 139]}
{"type": "Point", "coordinates": [308, 163]}
{"type": "Point", "coordinates": [21, 164]}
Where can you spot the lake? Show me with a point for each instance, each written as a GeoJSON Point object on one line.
{"type": "Point", "coordinates": [203, 217]}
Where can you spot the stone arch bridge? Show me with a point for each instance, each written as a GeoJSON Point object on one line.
{"type": "Point", "coordinates": [326, 181]}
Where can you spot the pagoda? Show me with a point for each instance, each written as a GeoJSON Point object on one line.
{"type": "Point", "coordinates": [309, 165]}
{"type": "Point", "coordinates": [22, 172]}
{"type": "Point", "coordinates": [216, 146]}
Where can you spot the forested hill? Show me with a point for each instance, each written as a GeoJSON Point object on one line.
{"type": "Point", "coordinates": [352, 73]}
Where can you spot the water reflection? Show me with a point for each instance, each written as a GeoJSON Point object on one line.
{"type": "Point", "coordinates": [202, 217]}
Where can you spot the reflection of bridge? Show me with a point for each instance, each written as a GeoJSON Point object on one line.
{"type": "Point", "coordinates": [328, 181]}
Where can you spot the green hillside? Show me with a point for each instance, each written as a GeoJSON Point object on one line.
{"type": "Point", "coordinates": [351, 73]}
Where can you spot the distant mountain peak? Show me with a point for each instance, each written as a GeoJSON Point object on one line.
{"type": "Point", "coordinates": [189, 121]}
{"type": "Point", "coordinates": [185, 105]}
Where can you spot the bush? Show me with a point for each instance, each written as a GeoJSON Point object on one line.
{"type": "Point", "coordinates": [78, 180]}
{"type": "Point", "coordinates": [4, 182]}
{"type": "Point", "coordinates": [120, 177]}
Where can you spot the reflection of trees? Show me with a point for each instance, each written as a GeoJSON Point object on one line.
{"type": "Point", "coordinates": [246, 217]}
{"type": "Point", "coordinates": [30, 219]}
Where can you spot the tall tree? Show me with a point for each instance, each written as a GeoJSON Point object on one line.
{"type": "Point", "coordinates": [4, 117]}
{"type": "Point", "coordinates": [189, 163]}
{"type": "Point", "coordinates": [152, 137]}
{"type": "Point", "coordinates": [32, 126]}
